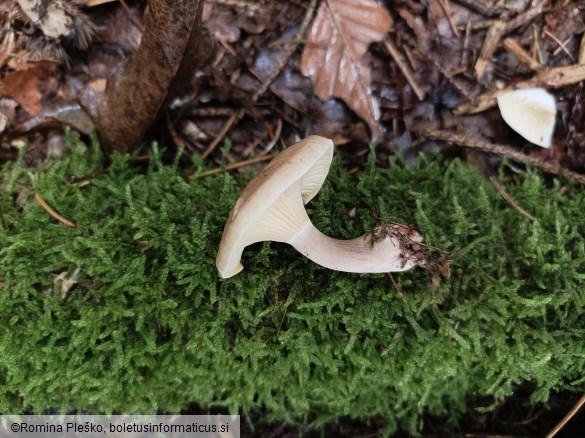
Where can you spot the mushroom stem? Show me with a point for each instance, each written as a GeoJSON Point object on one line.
{"type": "Point", "coordinates": [359, 255]}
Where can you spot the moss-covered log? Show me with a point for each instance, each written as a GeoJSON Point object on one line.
{"type": "Point", "coordinates": [146, 323]}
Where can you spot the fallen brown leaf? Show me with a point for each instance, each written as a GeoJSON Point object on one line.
{"type": "Point", "coordinates": [24, 87]}
{"type": "Point", "coordinates": [332, 58]}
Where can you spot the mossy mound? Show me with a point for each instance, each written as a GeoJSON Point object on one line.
{"type": "Point", "coordinates": [146, 323]}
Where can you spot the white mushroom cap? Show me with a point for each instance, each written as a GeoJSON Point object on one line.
{"type": "Point", "coordinates": [531, 112]}
{"type": "Point", "coordinates": [270, 207]}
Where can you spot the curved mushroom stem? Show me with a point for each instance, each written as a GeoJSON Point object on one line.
{"type": "Point", "coordinates": [359, 255]}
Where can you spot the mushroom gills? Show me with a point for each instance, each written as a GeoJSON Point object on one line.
{"type": "Point", "coordinates": [531, 112]}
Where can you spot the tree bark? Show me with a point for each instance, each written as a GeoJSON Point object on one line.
{"type": "Point", "coordinates": [173, 46]}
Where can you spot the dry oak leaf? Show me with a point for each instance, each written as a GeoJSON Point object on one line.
{"type": "Point", "coordinates": [332, 58]}
{"type": "Point", "coordinates": [25, 86]}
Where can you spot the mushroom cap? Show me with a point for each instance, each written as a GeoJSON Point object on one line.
{"type": "Point", "coordinates": [531, 112]}
{"type": "Point", "coordinates": [291, 179]}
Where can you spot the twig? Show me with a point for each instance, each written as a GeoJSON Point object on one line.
{"type": "Point", "coordinates": [465, 51]}
{"type": "Point", "coordinates": [447, 10]}
{"type": "Point", "coordinates": [397, 287]}
{"type": "Point", "coordinates": [232, 166]}
{"type": "Point", "coordinates": [53, 213]}
{"type": "Point", "coordinates": [483, 9]}
{"type": "Point", "coordinates": [567, 417]}
{"type": "Point", "coordinates": [91, 3]}
{"type": "Point", "coordinates": [176, 139]}
{"type": "Point", "coordinates": [410, 56]}
{"type": "Point", "coordinates": [503, 151]}
{"type": "Point", "coordinates": [72, 179]}
{"type": "Point", "coordinates": [275, 136]}
{"type": "Point", "coordinates": [67, 283]}
{"type": "Point", "coordinates": [521, 55]}
{"type": "Point", "coordinates": [561, 76]}
{"type": "Point", "coordinates": [8, 155]}
{"type": "Point", "coordinates": [397, 57]}
{"type": "Point", "coordinates": [536, 49]}
{"type": "Point", "coordinates": [560, 43]}
{"type": "Point", "coordinates": [581, 58]}
{"type": "Point", "coordinates": [228, 47]}
{"type": "Point", "coordinates": [510, 200]}
{"type": "Point", "coordinates": [252, 145]}
{"type": "Point", "coordinates": [555, 77]}
{"type": "Point", "coordinates": [211, 112]}
{"type": "Point", "coordinates": [526, 16]}
{"type": "Point", "coordinates": [133, 19]}
{"type": "Point", "coordinates": [221, 135]}
{"type": "Point", "coordinates": [251, 7]}
{"type": "Point", "coordinates": [558, 50]}
{"type": "Point", "coordinates": [492, 39]}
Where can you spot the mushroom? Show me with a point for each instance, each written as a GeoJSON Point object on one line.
{"type": "Point", "coordinates": [531, 112]}
{"type": "Point", "coordinates": [271, 207]}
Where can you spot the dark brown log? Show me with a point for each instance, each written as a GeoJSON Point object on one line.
{"type": "Point", "coordinates": [173, 45]}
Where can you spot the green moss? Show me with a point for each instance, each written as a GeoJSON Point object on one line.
{"type": "Point", "coordinates": [148, 325]}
